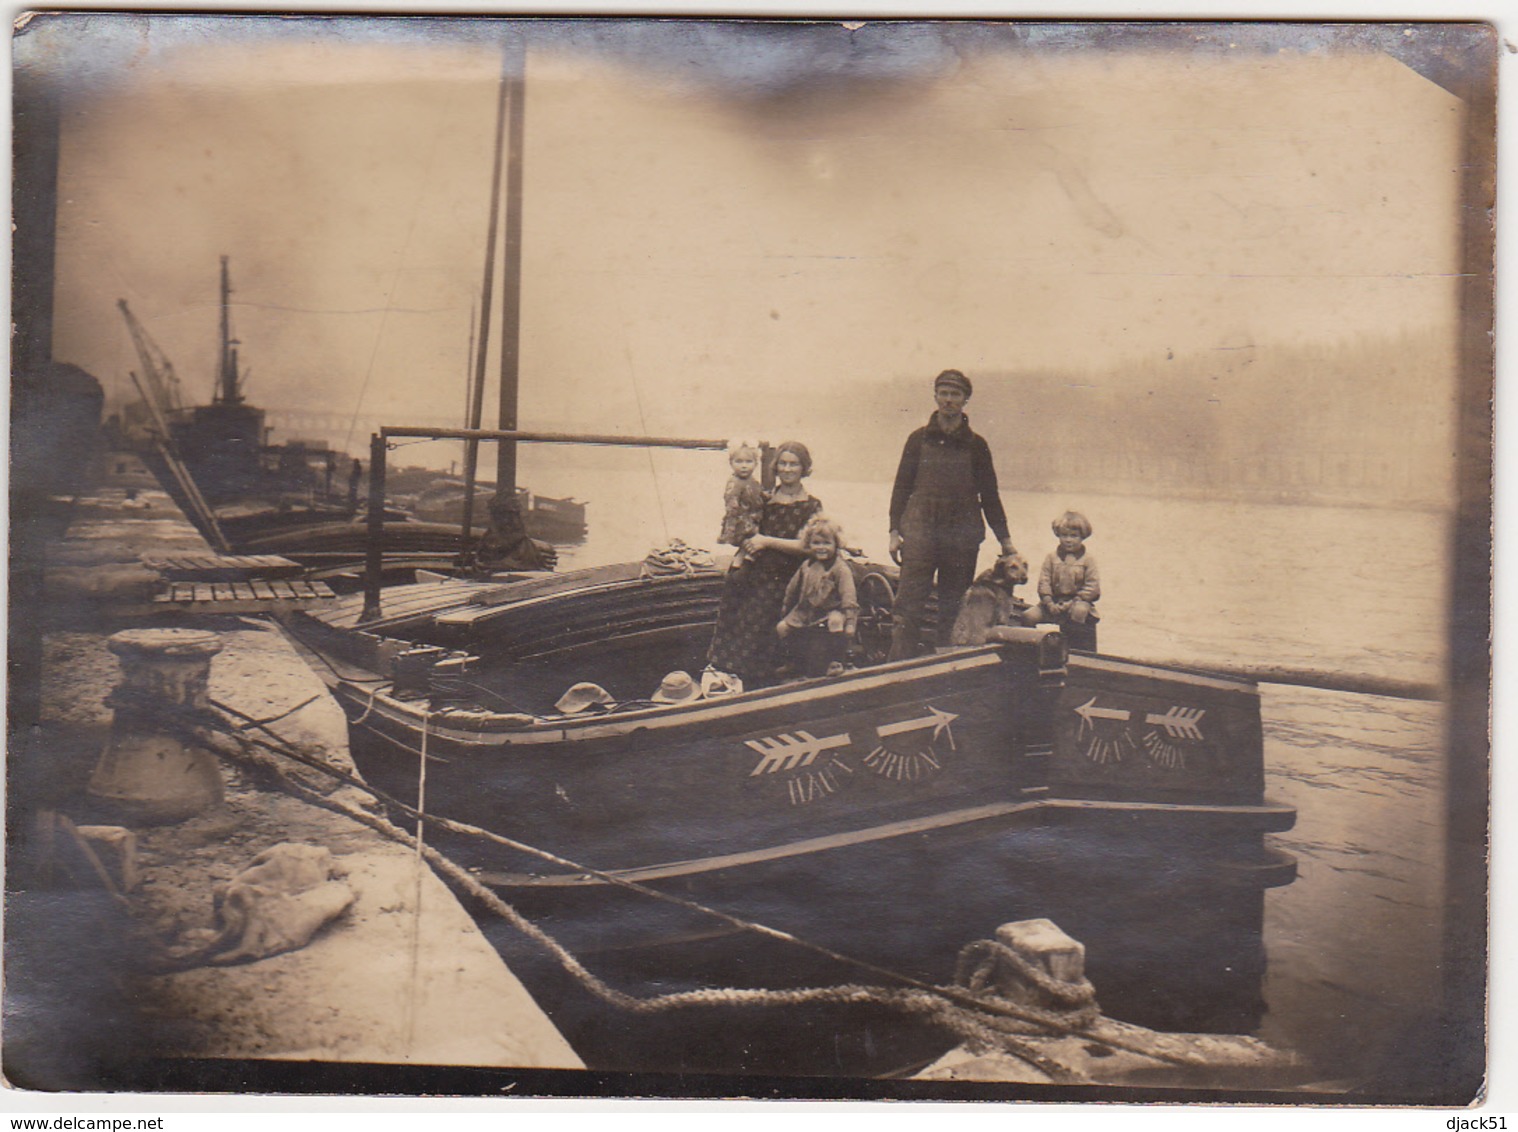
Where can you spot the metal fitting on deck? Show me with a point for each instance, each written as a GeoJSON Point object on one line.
{"type": "Point", "coordinates": [429, 671]}
{"type": "Point", "coordinates": [1047, 640]}
{"type": "Point", "coordinates": [409, 670]}
{"type": "Point", "coordinates": [147, 774]}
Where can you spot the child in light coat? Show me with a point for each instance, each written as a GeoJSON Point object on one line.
{"type": "Point", "coordinates": [1069, 584]}
{"type": "Point", "coordinates": [821, 603]}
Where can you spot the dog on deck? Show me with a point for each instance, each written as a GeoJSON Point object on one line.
{"type": "Point", "coordinates": [990, 601]}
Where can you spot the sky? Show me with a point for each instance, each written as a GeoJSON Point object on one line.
{"type": "Point", "coordinates": [720, 220]}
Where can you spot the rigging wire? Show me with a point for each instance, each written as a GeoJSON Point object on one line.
{"type": "Point", "coordinates": [516, 708]}
{"type": "Point", "coordinates": [416, 213]}
{"type": "Point", "coordinates": [344, 676]}
{"type": "Point", "coordinates": [340, 310]}
{"type": "Point", "coordinates": [632, 372]}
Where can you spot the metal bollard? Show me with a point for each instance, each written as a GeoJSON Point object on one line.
{"type": "Point", "coordinates": [1043, 945]}
{"type": "Point", "coordinates": [147, 775]}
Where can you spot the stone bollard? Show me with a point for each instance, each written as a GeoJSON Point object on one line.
{"type": "Point", "coordinates": [147, 775]}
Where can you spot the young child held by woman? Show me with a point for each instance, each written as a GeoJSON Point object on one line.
{"type": "Point", "coordinates": [821, 605]}
{"type": "Point", "coordinates": [1068, 584]}
{"type": "Point", "coordinates": [742, 500]}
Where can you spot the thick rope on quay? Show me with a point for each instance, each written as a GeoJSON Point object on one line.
{"type": "Point", "coordinates": [986, 1030]}
{"type": "Point", "coordinates": [973, 1012]}
{"type": "Point", "coordinates": [980, 958]}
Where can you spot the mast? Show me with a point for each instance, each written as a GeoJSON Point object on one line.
{"type": "Point", "coordinates": [227, 392]}
{"type": "Point", "coordinates": [469, 367]}
{"type": "Point", "coordinates": [511, 267]}
{"type": "Point", "coordinates": [471, 449]}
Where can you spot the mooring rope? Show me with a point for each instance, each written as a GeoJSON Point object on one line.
{"type": "Point", "coordinates": [263, 724]}
{"type": "Point", "coordinates": [368, 708]}
{"type": "Point", "coordinates": [416, 909]}
{"type": "Point", "coordinates": [979, 1000]}
{"type": "Point", "coordinates": [977, 1014]}
{"type": "Point", "coordinates": [979, 960]}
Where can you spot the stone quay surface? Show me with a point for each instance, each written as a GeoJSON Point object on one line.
{"type": "Point", "coordinates": [98, 895]}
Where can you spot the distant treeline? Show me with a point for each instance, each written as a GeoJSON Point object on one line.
{"type": "Point", "coordinates": [1367, 421]}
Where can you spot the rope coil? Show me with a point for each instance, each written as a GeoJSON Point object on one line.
{"type": "Point", "coordinates": [983, 959]}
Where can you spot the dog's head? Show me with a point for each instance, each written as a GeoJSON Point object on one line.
{"type": "Point", "coordinates": [1009, 571]}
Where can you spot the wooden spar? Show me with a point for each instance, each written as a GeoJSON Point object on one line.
{"type": "Point", "coordinates": [511, 270]}
{"type": "Point", "coordinates": [374, 556]}
{"type": "Point", "coordinates": [1359, 684]}
{"type": "Point", "coordinates": [471, 450]}
{"type": "Point", "coordinates": [374, 549]}
{"type": "Point", "coordinates": [469, 370]}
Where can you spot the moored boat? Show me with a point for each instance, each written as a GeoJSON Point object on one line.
{"type": "Point", "coordinates": [556, 520]}
{"type": "Point", "coordinates": [300, 499]}
{"type": "Point", "coordinates": [781, 836]}
{"type": "Point", "coordinates": [890, 813]}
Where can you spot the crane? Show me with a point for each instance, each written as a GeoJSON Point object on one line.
{"type": "Point", "coordinates": [158, 375]}
{"type": "Point", "coordinates": [159, 388]}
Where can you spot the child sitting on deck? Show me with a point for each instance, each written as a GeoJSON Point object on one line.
{"type": "Point", "coordinates": [821, 605]}
{"type": "Point", "coordinates": [1069, 585]}
{"type": "Point", "coordinates": [742, 501]}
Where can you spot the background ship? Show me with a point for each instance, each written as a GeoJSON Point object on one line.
{"type": "Point", "coordinates": [301, 498]}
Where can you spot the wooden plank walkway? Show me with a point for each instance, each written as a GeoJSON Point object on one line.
{"type": "Point", "coordinates": [257, 596]}
{"type": "Point", "coordinates": [221, 567]}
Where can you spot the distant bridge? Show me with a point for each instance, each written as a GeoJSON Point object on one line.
{"type": "Point", "coordinates": [298, 424]}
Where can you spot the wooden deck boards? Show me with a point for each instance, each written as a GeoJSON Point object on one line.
{"type": "Point", "coordinates": [244, 597]}
{"type": "Point", "coordinates": [402, 603]}
{"type": "Point", "coordinates": [221, 567]}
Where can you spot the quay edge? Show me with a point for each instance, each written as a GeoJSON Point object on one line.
{"type": "Point", "coordinates": [380, 984]}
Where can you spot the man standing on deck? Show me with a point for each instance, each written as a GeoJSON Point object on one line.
{"type": "Point", "coordinates": [944, 484]}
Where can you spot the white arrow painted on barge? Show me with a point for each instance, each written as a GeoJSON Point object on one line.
{"type": "Point", "coordinates": [938, 720]}
{"type": "Point", "coordinates": [787, 752]}
{"type": "Point", "coordinates": [1178, 722]}
{"type": "Point", "coordinates": [1088, 711]}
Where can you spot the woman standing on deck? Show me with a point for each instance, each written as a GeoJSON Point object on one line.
{"type": "Point", "coordinates": [744, 641]}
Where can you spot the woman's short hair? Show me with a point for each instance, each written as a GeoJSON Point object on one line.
{"type": "Point", "coordinates": [821, 523]}
{"type": "Point", "coordinates": [798, 450]}
{"type": "Point", "coordinates": [1072, 521]}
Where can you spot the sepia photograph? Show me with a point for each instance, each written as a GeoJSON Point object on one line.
{"type": "Point", "coordinates": [917, 559]}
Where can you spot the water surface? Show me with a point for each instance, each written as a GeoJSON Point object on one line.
{"type": "Point", "coordinates": [1353, 944]}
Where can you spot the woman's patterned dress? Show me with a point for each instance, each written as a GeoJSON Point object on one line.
{"type": "Point", "coordinates": [753, 596]}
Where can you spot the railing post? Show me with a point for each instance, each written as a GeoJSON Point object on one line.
{"type": "Point", "coordinates": [375, 549]}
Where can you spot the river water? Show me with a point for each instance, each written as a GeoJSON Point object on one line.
{"type": "Point", "coordinates": [1353, 944]}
